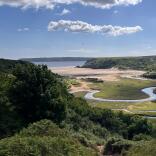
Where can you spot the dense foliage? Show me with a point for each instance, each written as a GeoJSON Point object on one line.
{"type": "Point", "coordinates": [150, 75]}
{"type": "Point", "coordinates": [139, 63]}
{"type": "Point", "coordinates": [145, 148]}
{"type": "Point", "coordinates": [9, 65]}
{"type": "Point", "coordinates": [31, 93]}
{"type": "Point", "coordinates": [117, 146]}
{"type": "Point", "coordinates": [43, 138]}
{"type": "Point", "coordinates": [37, 93]}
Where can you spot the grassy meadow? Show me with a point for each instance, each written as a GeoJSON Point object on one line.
{"type": "Point", "coordinates": [125, 89]}
{"type": "Point", "coordinates": [144, 106]}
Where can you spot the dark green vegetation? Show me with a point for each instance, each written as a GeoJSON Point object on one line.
{"type": "Point", "coordinates": [137, 63]}
{"type": "Point", "coordinates": [146, 148]}
{"type": "Point", "coordinates": [46, 59]}
{"type": "Point", "coordinates": [32, 93]}
{"type": "Point", "coordinates": [150, 75]}
{"type": "Point", "coordinates": [93, 80]}
{"type": "Point", "coordinates": [44, 138]}
{"type": "Point", "coordinates": [7, 65]}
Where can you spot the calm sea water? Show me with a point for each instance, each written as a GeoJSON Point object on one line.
{"type": "Point", "coordinates": [61, 63]}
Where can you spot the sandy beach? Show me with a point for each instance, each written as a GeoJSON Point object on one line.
{"type": "Point", "coordinates": [102, 74]}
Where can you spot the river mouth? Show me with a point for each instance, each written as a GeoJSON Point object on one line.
{"type": "Point", "coordinates": [148, 91]}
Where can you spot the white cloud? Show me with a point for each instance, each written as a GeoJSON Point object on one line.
{"type": "Point", "coordinates": [22, 29]}
{"type": "Point", "coordinates": [79, 26]}
{"type": "Point", "coordinates": [65, 12]}
{"type": "Point", "coordinates": [106, 4]}
{"type": "Point", "coordinates": [50, 4]}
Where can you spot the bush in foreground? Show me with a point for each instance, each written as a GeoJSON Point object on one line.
{"type": "Point", "coordinates": [43, 138]}
{"type": "Point", "coordinates": [146, 148]}
{"type": "Point", "coordinates": [117, 146]}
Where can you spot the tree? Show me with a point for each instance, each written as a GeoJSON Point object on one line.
{"type": "Point", "coordinates": [37, 94]}
{"type": "Point", "coordinates": [9, 123]}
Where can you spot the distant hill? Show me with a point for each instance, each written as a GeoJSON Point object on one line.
{"type": "Point", "coordinates": [137, 63]}
{"type": "Point", "coordinates": [52, 59]}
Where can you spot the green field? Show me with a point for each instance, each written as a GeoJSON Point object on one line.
{"type": "Point", "coordinates": [80, 94]}
{"type": "Point", "coordinates": [144, 106]}
{"type": "Point", "coordinates": [132, 107]}
{"type": "Point", "coordinates": [109, 105]}
{"type": "Point", "coordinates": [129, 106]}
{"type": "Point", "coordinates": [125, 89]}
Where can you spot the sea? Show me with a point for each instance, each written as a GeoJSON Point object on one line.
{"type": "Point", "coordinates": [61, 63]}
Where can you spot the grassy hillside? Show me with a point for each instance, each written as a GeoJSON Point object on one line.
{"type": "Point", "coordinates": [139, 63]}
{"type": "Point", "coordinates": [144, 149]}
{"type": "Point", "coordinates": [44, 138]}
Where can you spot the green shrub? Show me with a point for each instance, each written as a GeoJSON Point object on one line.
{"type": "Point", "coordinates": [43, 146]}
{"type": "Point", "coordinates": [150, 75]}
{"type": "Point", "coordinates": [43, 138]}
{"type": "Point", "coordinates": [116, 146]}
{"type": "Point", "coordinates": [140, 137]}
{"type": "Point", "coordinates": [43, 128]}
{"type": "Point", "coordinates": [146, 148]}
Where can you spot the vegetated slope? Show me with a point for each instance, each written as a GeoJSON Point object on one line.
{"type": "Point", "coordinates": [51, 59]}
{"type": "Point", "coordinates": [8, 65]}
{"type": "Point", "coordinates": [146, 148]}
{"type": "Point", "coordinates": [137, 63]}
{"type": "Point", "coordinates": [33, 93]}
{"type": "Point", "coordinates": [44, 138]}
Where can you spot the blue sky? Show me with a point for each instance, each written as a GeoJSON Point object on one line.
{"type": "Point", "coordinates": [24, 32]}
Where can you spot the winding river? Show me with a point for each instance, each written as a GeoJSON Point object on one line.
{"type": "Point", "coordinates": [148, 91]}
